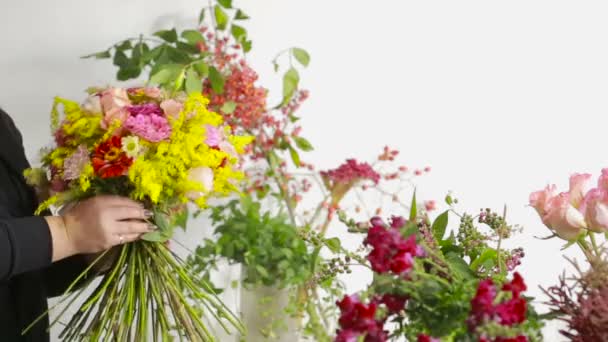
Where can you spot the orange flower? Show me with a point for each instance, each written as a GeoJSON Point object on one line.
{"type": "Point", "coordinates": [109, 160]}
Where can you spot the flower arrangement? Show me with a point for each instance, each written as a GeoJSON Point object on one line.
{"type": "Point", "coordinates": [165, 150]}
{"type": "Point", "coordinates": [579, 216]}
{"type": "Point", "coordinates": [431, 286]}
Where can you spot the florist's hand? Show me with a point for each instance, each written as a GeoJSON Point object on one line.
{"type": "Point", "coordinates": [97, 224]}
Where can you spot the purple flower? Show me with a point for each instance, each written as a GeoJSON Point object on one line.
{"type": "Point", "coordinates": [145, 109]}
{"type": "Point", "coordinates": [75, 163]}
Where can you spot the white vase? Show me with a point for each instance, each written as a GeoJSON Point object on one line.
{"type": "Point", "coordinates": [263, 314]}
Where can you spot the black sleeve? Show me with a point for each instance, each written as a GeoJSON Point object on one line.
{"type": "Point", "coordinates": [25, 245]}
{"type": "Point", "coordinates": [60, 275]}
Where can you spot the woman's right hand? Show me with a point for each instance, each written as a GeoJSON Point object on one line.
{"type": "Point", "coordinates": [97, 224]}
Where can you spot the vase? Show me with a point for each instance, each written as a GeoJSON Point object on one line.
{"type": "Point", "coordinates": [263, 312]}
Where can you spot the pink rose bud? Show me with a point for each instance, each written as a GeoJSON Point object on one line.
{"type": "Point", "coordinates": [539, 200]}
{"type": "Point", "coordinates": [171, 108]}
{"type": "Point", "coordinates": [603, 180]}
{"type": "Point", "coordinates": [563, 218]}
{"type": "Point", "coordinates": [579, 186]}
{"type": "Point", "coordinates": [113, 103]}
{"type": "Point", "coordinates": [203, 175]}
{"type": "Point", "coordinates": [596, 210]}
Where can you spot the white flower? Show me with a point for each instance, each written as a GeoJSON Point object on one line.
{"type": "Point", "coordinates": [204, 176]}
{"type": "Point", "coordinates": [131, 146]}
{"type": "Point", "coordinates": [92, 105]}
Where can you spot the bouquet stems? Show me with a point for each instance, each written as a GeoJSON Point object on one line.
{"type": "Point", "coordinates": [143, 295]}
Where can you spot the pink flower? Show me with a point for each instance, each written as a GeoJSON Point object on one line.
{"type": "Point", "coordinates": [563, 218]}
{"type": "Point", "coordinates": [430, 205]}
{"type": "Point", "coordinates": [171, 108]}
{"type": "Point", "coordinates": [151, 127]}
{"type": "Point", "coordinates": [75, 163]}
{"type": "Point", "coordinates": [595, 208]}
{"type": "Point", "coordinates": [113, 102]}
{"type": "Point", "coordinates": [427, 338]}
{"type": "Point", "coordinates": [152, 92]}
{"type": "Point", "coordinates": [347, 336]}
{"type": "Point", "coordinates": [579, 186]}
{"type": "Point", "coordinates": [204, 176]}
{"type": "Point", "coordinates": [539, 200]}
{"type": "Point", "coordinates": [213, 136]}
{"type": "Point", "coordinates": [602, 182]}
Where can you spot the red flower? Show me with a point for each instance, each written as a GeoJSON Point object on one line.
{"type": "Point", "coordinates": [512, 311]}
{"type": "Point", "coordinates": [357, 319]}
{"type": "Point", "coordinates": [109, 160]}
{"type": "Point", "coordinates": [427, 338]}
{"type": "Point", "coordinates": [516, 286]}
{"type": "Point", "coordinates": [394, 303]}
{"type": "Point", "coordinates": [391, 251]}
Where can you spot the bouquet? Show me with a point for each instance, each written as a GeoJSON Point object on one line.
{"type": "Point", "coordinates": [431, 286]}
{"type": "Point", "coordinates": [165, 150]}
{"type": "Point", "coordinates": [579, 216]}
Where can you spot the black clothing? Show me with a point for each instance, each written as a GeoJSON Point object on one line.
{"type": "Point", "coordinates": [27, 276]}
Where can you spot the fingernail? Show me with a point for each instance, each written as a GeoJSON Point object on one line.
{"type": "Point", "coordinates": [152, 227]}
{"type": "Point", "coordinates": [148, 213]}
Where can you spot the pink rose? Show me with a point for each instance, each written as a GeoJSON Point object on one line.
{"type": "Point", "coordinates": [579, 186]}
{"type": "Point", "coordinates": [595, 208]}
{"type": "Point", "coordinates": [539, 200]}
{"type": "Point", "coordinates": [171, 108]}
{"type": "Point", "coordinates": [203, 175]}
{"type": "Point", "coordinates": [92, 105]}
{"type": "Point", "coordinates": [602, 182]}
{"type": "Point", "coordinates": [114, 102]}
{"type": "Point", "coordinates": [152, 92]}
{"type": "Point", "coordinates": [563, 218]}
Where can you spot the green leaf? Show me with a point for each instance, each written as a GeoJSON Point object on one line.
{"type": "Point", "coordinates": [246, 45]}
{"type": "Point", "coordinates": [449, 200]}
{"type": "Point", "coordinates": [166, 74]}
{"type": "Point", "coordinates": [413, 208]}
{"type": "Point", "coordinates": [225, 3]}
{"type": "Point", "coordinates": [217, 80]}
{"type": "Point", "coordinates": [459, 266]}
{"type": "Point", "coordinates": [240, 15]}
{"type": "Point", "coordinates": [201, 16]}
{"type": "Point", "coordinates": [99, 55]}
{"type": "Point", "coordinates": [192, 36]}
{"type": "Point", "coordinates": [187, 48]}
{"type": "Point", "coordinates": [228, 107]}
{"type": "Point", "coordinates": [290, 84]}
{"type": "Point", "coordinates": [301, 56]}
{"type": "Point", "coordinates": [121, 59]}
{"type": "Point", "coordinates": [181, 219]}
{"type": "Point", "coordinates": [221, 19]}
{"type": "Point", "coordinates": [238, 32]}
{"type": "Point", "coordinates": [194, 84]}
{"type": "Point", "coordinates": [202, 68]}
{"type": "Point", "coordinates": [440, 225]}
{"type": "Point", "coordinates": [167, 35]}
{"type": "Point", "coordinates": [489, 254]}
{"type": "Point", "coordinates": [139, 50]}
{"type": "Point", "coordinates": [156, 236]}
{"type": "Point", "coordinates": [334, 244]}
{"type": "Point", "coordinates": [303, 144]}
{"type": "Point", "coordinates": [128, 72]}
{"type": "Point", "coordinates": [179, 81]}
{"type": "Point", "coordinates": [295, 157]}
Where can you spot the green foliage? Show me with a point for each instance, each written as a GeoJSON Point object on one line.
{"type": "Point", "coordinates": [270, 248]}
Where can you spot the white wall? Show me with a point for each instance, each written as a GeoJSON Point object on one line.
{"type": "Point", "coordinates": [499, 97]}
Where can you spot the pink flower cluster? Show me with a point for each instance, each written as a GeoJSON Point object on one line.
{"type": "Point", "coordinates": [391, 251]}
{"type": "Point", "coordinates": [351, 171]}
{"type": "Point", "coordinates": [148, 122]}
{"type": "Point", "coordinates": [569, 214]}
{"type": "Point", "coordinates": [358, 319]}
{"type": "Point", "coordinates": [508, 312]}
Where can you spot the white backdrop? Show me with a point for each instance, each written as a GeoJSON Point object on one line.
{"type": "Point", "coordinates": [499, 97]}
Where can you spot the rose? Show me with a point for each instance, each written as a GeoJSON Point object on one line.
{"type": "Point", "coordinates": [579, 186]}
{"type": "Point", "coordinates": [595, 208]}
{"type": "Point", "coordinates": [563, 218]}
{"type": "Point", "coordinates": [171, 108]}
{"type": "Point", "coordinates": [202, 175]}
{"type": "Point", "coordinates": [113, 103]}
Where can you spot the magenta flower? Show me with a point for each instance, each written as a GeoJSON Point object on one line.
{"type": "Point", "coordinates": [351, 171]}
{"type": "Point", "coordinates": [148, 125]}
